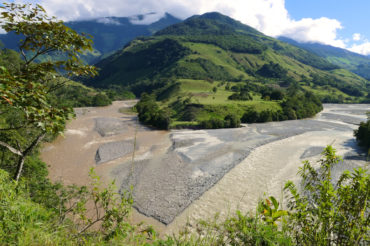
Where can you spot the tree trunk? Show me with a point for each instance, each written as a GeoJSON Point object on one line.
{"type": "Point", "coordinates": [19, 167]}
{"type": "Point", "coordinates": [25, 154]}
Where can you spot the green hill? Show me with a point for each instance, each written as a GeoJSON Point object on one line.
{"type": "Point", "coordinates": [346, 59]}
{"type": "Point", "coordinates": [215, 65]}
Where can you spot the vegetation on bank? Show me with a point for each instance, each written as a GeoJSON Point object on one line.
{"type": "Point", "coordinates": [35, 211]}
{"type": "Point", "coordinates": [149, 113]}
{"type": "Point", "coordinates": [362, 134]}
{"type": "Point", "coordinates": [212, 105]}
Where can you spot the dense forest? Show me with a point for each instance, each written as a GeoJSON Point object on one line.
{"type": "Point", "coordinates": [35, 104]}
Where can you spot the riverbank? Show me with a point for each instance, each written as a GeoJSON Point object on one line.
{"type": "Point", "coordinates": [184, 175]}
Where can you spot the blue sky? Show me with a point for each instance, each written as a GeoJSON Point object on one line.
{"type": "Point", "coordinates": [341, 23]}
{"type": "Point", "coordinates": [354, 15]}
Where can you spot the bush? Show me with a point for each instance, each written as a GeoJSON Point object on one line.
{"type": "Point", "coordinates": [272, 70]}
{"type": "Point", "coordinates": [323, 213]}
{"type": "Point", "coordinates": [277, 95]}
{"type": "Point", "coordinates": [251, 116]}
{"type": "Point", "coordinates": [214, 123]}
{"type": "Point", "coordinates": [362, 134]}
{"type": "Point", "coordinates": [243, 96]}
{"type": "Point", "coordinates": [101, 99]}
{"type": "Point", "coordinates": [328, 213]}
{"type": "Point", "coordinates": [231, 121]}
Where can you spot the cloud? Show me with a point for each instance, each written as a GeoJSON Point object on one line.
{"type": "Point", "coordinates": [363, 48]}
{"type": "Point", "coordinates": [322, 30]}
{"type": "Point", "coordinates": [268, 16]}
{"type": "Point", "coordinates": [356, 37]}
{"type": "Point", "coordinates": [108, 21]}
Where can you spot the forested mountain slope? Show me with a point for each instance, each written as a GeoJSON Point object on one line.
{"type": "Point", "coordinates": [220, 64]}
{"type": "Point", "coordinates": [356, 63]}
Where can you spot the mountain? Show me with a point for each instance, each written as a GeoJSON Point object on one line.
{"type": "Point", "coordinates": [214, 65]}
{"type": "Point", "coordinates": [109, 33]}
{"type": "Point", "coordinates": [358, 64]}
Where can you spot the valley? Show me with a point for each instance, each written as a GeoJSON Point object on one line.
{"type": "Point", "coordinates": [147, 129]}
{"type": "Point", "coordinates": [181, 176]}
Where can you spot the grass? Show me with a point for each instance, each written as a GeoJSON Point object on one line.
{"type": "Point", "coordinates": [215, 104]}
{"type": "Point", "coordinates": [201, 92]}
{"type": "Point", "coordinates": [322, 91]}
{"type": "Point", "coordinates": [216, 55]}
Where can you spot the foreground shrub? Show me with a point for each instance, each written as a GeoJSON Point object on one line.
{"type": "Point", "coordinates": [328, 213]}
{"type": "Point", "coordinates": [322, 212]}
{"type": "Point", "coordinates": [240, 229]}
{"type": "Point", "coordinates": [83, 216]}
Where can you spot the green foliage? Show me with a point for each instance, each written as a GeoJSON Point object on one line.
{"type": "Point", "coordinates": [101, 99]}
{"type": "Point", "coordinates": [277, 95]}
{"type": "Point", "coordinates": [73, 94]}
{"type": "Point", "coordinates": [272, 70]}
{"type": "Point", "coordinates": [11, 60]}
{"type": "Point", "coordinates": [145, 61]}
{"type": "Point", "coordinates": [214, 47]}
{"type": "Point", "coordinates": [294, 107]}
{"type": "Point", "coordinates": [269, 209]}
{"type": "Point", "coordinates": [343, 58]}
{"type": "Point", "coordinates": [242, 96]}
{"type": "Point", "coordinates": [150, 113]}
{"type": "Point", "coordinates": [69, 221]}
{"type": "Point", "coordinates": [43, 35]}
{"type": "Point", "coordinates": [30, 98]}
{"type": "Point", "coordinates": [328, 213]}
{"type": "Point", "coordinates": [116, 92]}
{"type": "Point", "coordinates": [168, 91]}
{"type": "Point", "coordinates": [338, 83]}
{"type": "Point", "coordinates": [235, 43]}
{"type": "Point", "coordinates": [301, 106]}
{"type": "Point", "coordinates": [362, 134]}
{"type": "Point", "coordinates": [24, 90]}
{"type": "Point", "coordinates": [304, 56]}
{"type": "Point", "coordinates": [202, 69]}
{"type": "Point", "coordinates": [208, 24]}
{"type": "Point", "coordinates": [19, 217]}
{"type": "Point", "coordinates": [323, 212]}
{"type": "Point", "coordinates": [230, 121]}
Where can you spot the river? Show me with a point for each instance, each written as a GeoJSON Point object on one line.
{"type": "Point", "coordinates": [182, 176]}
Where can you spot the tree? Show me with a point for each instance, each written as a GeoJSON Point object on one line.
{"type": "Point", "coordinates": [231, 121]}
{"type": "Point", "coordinates": [24, 91]}
{"type": "Point", "coordinates": [101, 99]}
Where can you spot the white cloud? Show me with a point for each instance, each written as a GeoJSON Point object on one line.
{"type": "Point", "coordinates": [363, 48]}
{"type": "Point", "coordinates": [268, 16]}
{"type": "Point", "coordinates": [356, 37]}
{"type": "Point", "coordinates": [108, 21]}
